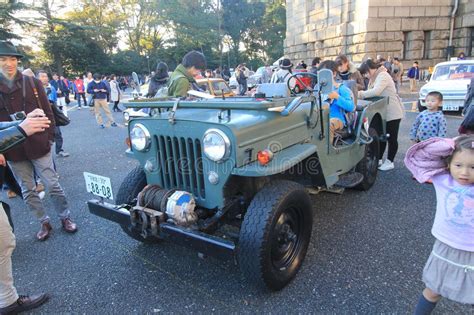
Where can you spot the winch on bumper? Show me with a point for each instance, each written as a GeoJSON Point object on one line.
{"type": "Point", "coordinates": [173, 221]}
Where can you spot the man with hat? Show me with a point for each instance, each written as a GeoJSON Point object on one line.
{"type": "Point", "coordinates": [12, 134]}
{"type": "Point", "coordinates": [284, 73]}
{"type": "Point", "coordinates": [20, 95]}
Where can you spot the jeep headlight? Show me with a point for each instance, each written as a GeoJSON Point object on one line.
{"type": "Point", "coordinates": [140, 138]}
{"type": "Point", "coordinates": [423, 92]}
{"type": "Point", "coordinates": [126, 116]}
{"type": "Point", "coordinates": [216, 145]}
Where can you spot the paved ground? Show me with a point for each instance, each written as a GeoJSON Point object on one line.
{"type": "Point", "coordinates": [366, 255]}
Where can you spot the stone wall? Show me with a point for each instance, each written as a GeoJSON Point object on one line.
{"type": "Point", "coordinates": [408, 29]}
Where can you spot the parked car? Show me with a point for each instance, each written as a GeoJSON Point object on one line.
{"type": "Point", "coordinates": [215, 86]}
{"type": "Point", "coordinates": [305, 79]}
{"type": "Point", "coordinates": [451, 79]}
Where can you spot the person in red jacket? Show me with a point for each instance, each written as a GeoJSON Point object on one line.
{"type": "Point", "coordinates": [80, 91]}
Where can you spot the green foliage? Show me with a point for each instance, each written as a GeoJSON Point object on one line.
{"type": "Point", "coordinates": [125, 62]}
{"type": "Point", "coordinates": [7, 19]}
{"type": "Point", "coordinates": [76, 49]}
{"type": "Point", "coordinates": [91, 37]}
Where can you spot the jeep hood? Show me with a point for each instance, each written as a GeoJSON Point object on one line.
{"type": "Point", "coordinates": [249, 130]}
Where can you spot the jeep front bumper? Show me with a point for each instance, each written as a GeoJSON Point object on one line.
{"type": "Point", "coordinates": [201, 242]}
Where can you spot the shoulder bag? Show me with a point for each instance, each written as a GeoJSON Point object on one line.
{"type": "Point", "coordinates": [59, 117]}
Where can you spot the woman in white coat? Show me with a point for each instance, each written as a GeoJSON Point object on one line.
{"type": "Point", "coordinates": [115, 92]}
{"type": "Point", "coordinates": [381, 84]}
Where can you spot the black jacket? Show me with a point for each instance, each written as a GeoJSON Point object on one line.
{"type": "Point", "coordinates": [10, 135]}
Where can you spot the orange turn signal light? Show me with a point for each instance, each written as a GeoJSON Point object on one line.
{"type": "Point", "coordinates": [128, 142]}
{"type": "Point", "coordinates": [264, 157]}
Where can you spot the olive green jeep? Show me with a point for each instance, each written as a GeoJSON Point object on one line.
{"type": "Point", "coordinates": [230, 176]}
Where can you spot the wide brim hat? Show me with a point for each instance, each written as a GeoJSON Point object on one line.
{"type": "Point", "coordinates": [8, 49]}
{"type": "Point", "coordinates": [286, 64]}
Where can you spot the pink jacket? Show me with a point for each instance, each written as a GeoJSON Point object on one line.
{"type": "Point", "coordinates": [428, 158]}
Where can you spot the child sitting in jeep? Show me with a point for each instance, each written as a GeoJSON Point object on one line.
{"type": "Point", "coordinates": [340, 99]}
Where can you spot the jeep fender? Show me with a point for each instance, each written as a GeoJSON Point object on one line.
{"type": "Point", "coordinates": [282, 161]}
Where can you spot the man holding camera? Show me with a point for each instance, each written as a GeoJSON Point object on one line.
{"type": "Point", "coordinates": [19, 96]}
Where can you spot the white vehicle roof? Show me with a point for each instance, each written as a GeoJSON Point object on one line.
{"type": "Point", "coordinates": [455, 62]}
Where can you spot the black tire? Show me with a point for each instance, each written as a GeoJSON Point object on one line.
{"type": "Point", "coordinates": [275, 234]}
{"type": "Point", "coordinates": [368, 166]}
{"type": "Point", "coordinates": [132, 184]}
{"type": "Point", "coordinates": [419, 106]}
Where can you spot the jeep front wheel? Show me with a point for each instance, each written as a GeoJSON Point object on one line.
{"type": "Point", "coordinates": [275, 234]}
{"type": "Point", "coordinates": [131, 185]}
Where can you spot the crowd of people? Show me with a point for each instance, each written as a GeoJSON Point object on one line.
{"type": "Point", "coordinates": [28, 128]}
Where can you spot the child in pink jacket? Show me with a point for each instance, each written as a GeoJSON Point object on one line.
{"type": "Point", "coordinates": [449, 271]}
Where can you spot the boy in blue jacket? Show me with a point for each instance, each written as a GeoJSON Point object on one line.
{"type": "Point", "coordinates": [413, 75]}
{"type": "Point", "coordinates": [340, 99]}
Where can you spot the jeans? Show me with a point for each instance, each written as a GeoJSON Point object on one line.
{"type": "Point", "coordinates": [58, 139]}
{"type": "Point", "coordinates": [25, 171]}
{"type": "Point", "coordinates": [89, 100]}
{"type": "Point", "coordinates": [8, 294]}
{"type": "Point", "coordinates": [243, 88]}
{"type": "Point", "coordinates": [78, 96]}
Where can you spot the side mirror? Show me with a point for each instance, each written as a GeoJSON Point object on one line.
{"type": "Point", "coordinates": [325, 81]}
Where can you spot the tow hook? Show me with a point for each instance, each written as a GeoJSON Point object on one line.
{"type": "Point", "coordinates": [142, 218]}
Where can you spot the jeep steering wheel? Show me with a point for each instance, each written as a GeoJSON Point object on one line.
{"type": "Point", "coordinates": [296, 76]}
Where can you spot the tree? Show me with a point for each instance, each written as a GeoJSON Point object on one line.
{"type": "Point", "coordinates": [190, 22]}
{"type": "Point", "coordinates": [103, 20]}
{"type": "Point", "coordinates": [7, 19]}
{"type": "Point", "coordinates": [76, 49]}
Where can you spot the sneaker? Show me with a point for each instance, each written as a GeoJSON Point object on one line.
{"type": "Point", "coordinates": [11, 194]}
{"type": "Point", "coordinates": [114, 124]}
{"type": "Point", "coordinates": [386, 166]}
{"type": "Point", "coordinates": [41, 195]}
{"type": "Point", "coordinates": [39, 187]}
{"type": "Point", "coordinates": [79, 108]}
{"type": "Point", "coordinates": [380, 162]}
{"type": "Point", "coordinates": [101, 126]}
{"type": "Point", "coordinates": [25, 303]}
{"type": "Point", "coordinates": [63, 154]}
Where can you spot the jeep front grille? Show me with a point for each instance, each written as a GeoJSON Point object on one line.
{"type": "Point", "coordinates": [180, 164]}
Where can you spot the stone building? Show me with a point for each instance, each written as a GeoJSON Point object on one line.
{"type": "Point", "coordinates": [408, 29]}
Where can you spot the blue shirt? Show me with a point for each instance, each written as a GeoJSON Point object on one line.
{"type": "Point", "coordinates": [51, 93]}
{"type": "Point", "coordinates": [99, 86]}
{"type": "Point", "coordinates": [428, 125]}
{"type": "Point", "coordinates": [342, 105]}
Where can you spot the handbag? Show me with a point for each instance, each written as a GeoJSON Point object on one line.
{"type": "Point", "coordinates": [59, 117]}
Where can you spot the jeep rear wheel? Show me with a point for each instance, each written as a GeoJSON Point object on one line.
{"type": "Point", "coordinates": [368, 166]}
{"type": "Point", "coordinates": [132, 184]}
{"type": "Point", "coordinates": [275, 234]}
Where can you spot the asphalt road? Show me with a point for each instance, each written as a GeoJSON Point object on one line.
{"type": "Point", "coordinates": [366, 256]}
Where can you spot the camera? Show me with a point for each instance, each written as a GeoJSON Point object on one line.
{"type": "Point", "coordinates": [18, 116]}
